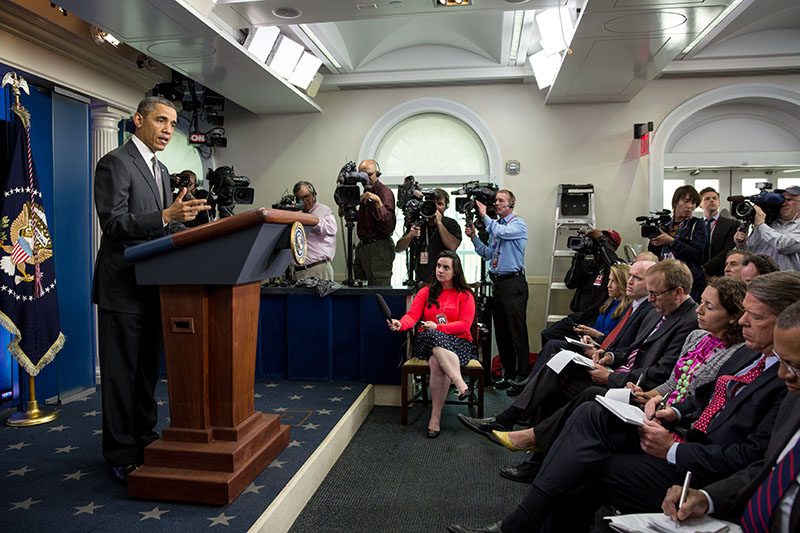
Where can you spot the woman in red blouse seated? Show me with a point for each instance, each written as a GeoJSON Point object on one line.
{"type": "Point", "coordinates": [447, 309]}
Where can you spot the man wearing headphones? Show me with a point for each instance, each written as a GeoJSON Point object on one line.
{"type": "Point", "coordinates": [375, 222]}
{"type": "Point", "coordinates": [321, 239]}
{"type": "Point", "coordinates": [508, 237]}
{"type": "Point", "coordinates": [439, 234]}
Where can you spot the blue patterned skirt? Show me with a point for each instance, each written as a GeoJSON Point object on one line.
{"type": "Point", "coordinates": [427, 340]}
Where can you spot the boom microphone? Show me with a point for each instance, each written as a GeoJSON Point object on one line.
{"type": "Point", "coordinates": [384, 308]}
{"type": "Point", "coordinates": [737, 198]}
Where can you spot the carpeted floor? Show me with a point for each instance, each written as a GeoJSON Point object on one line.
{"type": "Point", "coordinates": [53, 477]}
{"type": "Point", "coordinates": [393, 479]}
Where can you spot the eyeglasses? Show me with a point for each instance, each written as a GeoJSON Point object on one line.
{"type": "Point", "coordinates": [792, 370]}
{"type": "Point", "coordinates": [654, 295]}
{"type": "Point", "coordinates": [370, 174]}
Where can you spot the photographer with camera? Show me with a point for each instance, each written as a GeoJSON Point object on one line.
{"type": "Point", "coordinates": [437, 234]}
{"type": "Point", "coordinates": [684, 237]}
{"type": "Point", "coordinates": [779, 239]}
{"type": "Point", "coordinates": [321, 239]}
{"type": "Point", "coordinates": [188, 179]}
{"type": "Point", "coordinates": [505, 252]}
{"type": "Point", "coordinates": [589, 275]}
{"type": "Point", "coordinates": [375, 221]}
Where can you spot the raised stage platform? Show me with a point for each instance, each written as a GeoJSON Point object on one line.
{"type": "Point", "coordinates": [53, 476]}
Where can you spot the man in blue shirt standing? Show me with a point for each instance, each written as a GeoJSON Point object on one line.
{"type": "Point", "coordinates": [505, 253]}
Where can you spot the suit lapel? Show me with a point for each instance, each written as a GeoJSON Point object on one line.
{"type": "Point", "coordinates": [145, 172]}
{"type": "Point", "coordinates": [643, 309]}
{"type": "Point", "coordinates": [671, 321]}
{"type": "Point", "coordinates": [751, 388]}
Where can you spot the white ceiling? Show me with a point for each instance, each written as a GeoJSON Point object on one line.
{"type": "Point", "coordinates": [619, 45]}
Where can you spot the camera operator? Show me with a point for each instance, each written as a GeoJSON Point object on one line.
{"type": "Point", "coordinates": [505, 252]}
{"type": "Point", "coordinates": [321, 239]}
{"type": "Point", "coordinates": [781, 239]}
{"type": "Point", "coordinates": [685, 238]}
{"type": "Point", "coordinates": [374, 255]}
{"type": "Point", "coordinates": [588, 275]}
{"type": "Point", "coordinates": [439, 234]}
{"type": "Point", "coordinates": [193, 191]}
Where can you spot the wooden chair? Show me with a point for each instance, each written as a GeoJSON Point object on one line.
{"type": "Point", "coordinates": [418, 368]}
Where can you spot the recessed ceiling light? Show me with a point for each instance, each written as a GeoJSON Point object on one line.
{"type": "Point", "coordinates": [515, 1]}
{"type": "Point", "coordinates": [286, 12]}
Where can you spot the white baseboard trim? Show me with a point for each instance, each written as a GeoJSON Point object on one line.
{"type": "Point", "coordinates": [288, 505]}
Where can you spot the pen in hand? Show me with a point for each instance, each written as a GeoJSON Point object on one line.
{"type": "Point", "coordinates": [639, 381]}
{"type": "Point", "coordinates": [662, 404]}
{"type": "Point", "coordinates": [685, 488]}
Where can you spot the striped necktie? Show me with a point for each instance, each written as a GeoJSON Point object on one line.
{"type": "Point", "coordinates": [632, 357]}
{"type": "Point", "coordinates": [614, 332]}
{"type": "Point", "coordinates": [757, 515]}
{"type": "Point", "coordinates": [721, 396]}
{"type": "Point", "coordinates": [159, 185]}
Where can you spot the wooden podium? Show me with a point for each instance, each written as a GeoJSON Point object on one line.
{"type": "Point", "coordinates": [209, 279]}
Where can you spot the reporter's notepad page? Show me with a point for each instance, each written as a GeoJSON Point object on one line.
{"type": "Point", "coordinates": [659, 523]}
{"type": "Point", "coordinates": [564, 357]}
{"type": "Point", "coordinates": [624, 411]}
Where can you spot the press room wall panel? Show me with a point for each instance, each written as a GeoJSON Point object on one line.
{"type": "Point", "coordinates": [71, 229]}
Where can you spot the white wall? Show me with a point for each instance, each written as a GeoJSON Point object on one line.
{"type": "Point", "coordinates": [555, 144]}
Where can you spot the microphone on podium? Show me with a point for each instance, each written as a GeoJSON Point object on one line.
{"type": "Point", "coordinates": [383, 306]}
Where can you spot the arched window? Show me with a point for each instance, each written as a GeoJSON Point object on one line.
{"type": "Point", "coordinates": [439, 150]}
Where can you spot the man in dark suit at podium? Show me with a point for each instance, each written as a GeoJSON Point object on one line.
{"type": "Point", "coordinates": [134, 204]}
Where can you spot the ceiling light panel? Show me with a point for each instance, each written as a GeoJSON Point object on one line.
{"type": "Point", "coordinates": [285, 56]}
{"type": "Point", "coordinates": [261, 40]}
{"type": "Point", "coordinates": [304, 71]}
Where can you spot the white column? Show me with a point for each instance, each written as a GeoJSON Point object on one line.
{"type": "Point", "coordinates": [105, 132]}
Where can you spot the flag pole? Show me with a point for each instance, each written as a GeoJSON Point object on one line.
{"type": "Point", "coordinates": [32, 416]}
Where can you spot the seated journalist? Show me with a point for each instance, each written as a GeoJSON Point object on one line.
{"type": "Point", "coordinates": [611, 313]}
{"type": "Point", "coordinates": [446, 307]}
{"type": "Point", "coordinates": [762, 496]}
{"type": "Point", "coordinates": [550, 398]}
{"type": "Point", "coordinates": [598, 459]}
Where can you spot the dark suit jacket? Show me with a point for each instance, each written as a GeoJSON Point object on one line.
{"type": "Point", "coordinates": [731, 495]}
{"type": "Point", "coordinates": [658, 354]}
{"type": "Point", "coordinates": [126, 199]}
{"type": "Point", "coordinates": [739, 433]}
{"type": "Point", "coordinates": [721, 243]}
{"type": "Point", "coordinates": [630, 329]}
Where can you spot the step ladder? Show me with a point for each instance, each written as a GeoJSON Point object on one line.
{"type": "Point", "coordinates": [574, 211]}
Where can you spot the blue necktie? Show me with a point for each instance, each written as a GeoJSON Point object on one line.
{"type": "Point", "coordinates": [758, 513]}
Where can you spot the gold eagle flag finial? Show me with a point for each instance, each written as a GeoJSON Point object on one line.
{"type": "Point", "coordinates": [17, 83]}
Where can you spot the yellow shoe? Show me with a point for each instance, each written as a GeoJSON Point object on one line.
{"type": "Point", "coordinates": [501, 437]}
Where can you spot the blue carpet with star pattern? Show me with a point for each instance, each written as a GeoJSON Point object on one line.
{"type": "Point", "coordinates": [53, 476]}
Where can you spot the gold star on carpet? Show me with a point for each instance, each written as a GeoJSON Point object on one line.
{"type": "Point", "coordinates": [252, 487]}
{"type": "Point", "coordinates": [221, 519]}
{"type": "Point", "coordinates": [25, 504]}
{"type": "Point", "coordinates": [154, 513]}
{"type": "Point", "coordinates": [20, 472]}
{"type": "Point", "coordinates": [89, 508]}
{"type": "Point", "coordinates": [75, 475]}
{"type": "Point", "coordinates": [17, 446]}
{"type": "Point", "coordinates": [66, 449]}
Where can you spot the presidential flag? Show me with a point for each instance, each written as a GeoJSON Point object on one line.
{"type": "Point", "coordinates": [28, 299]}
